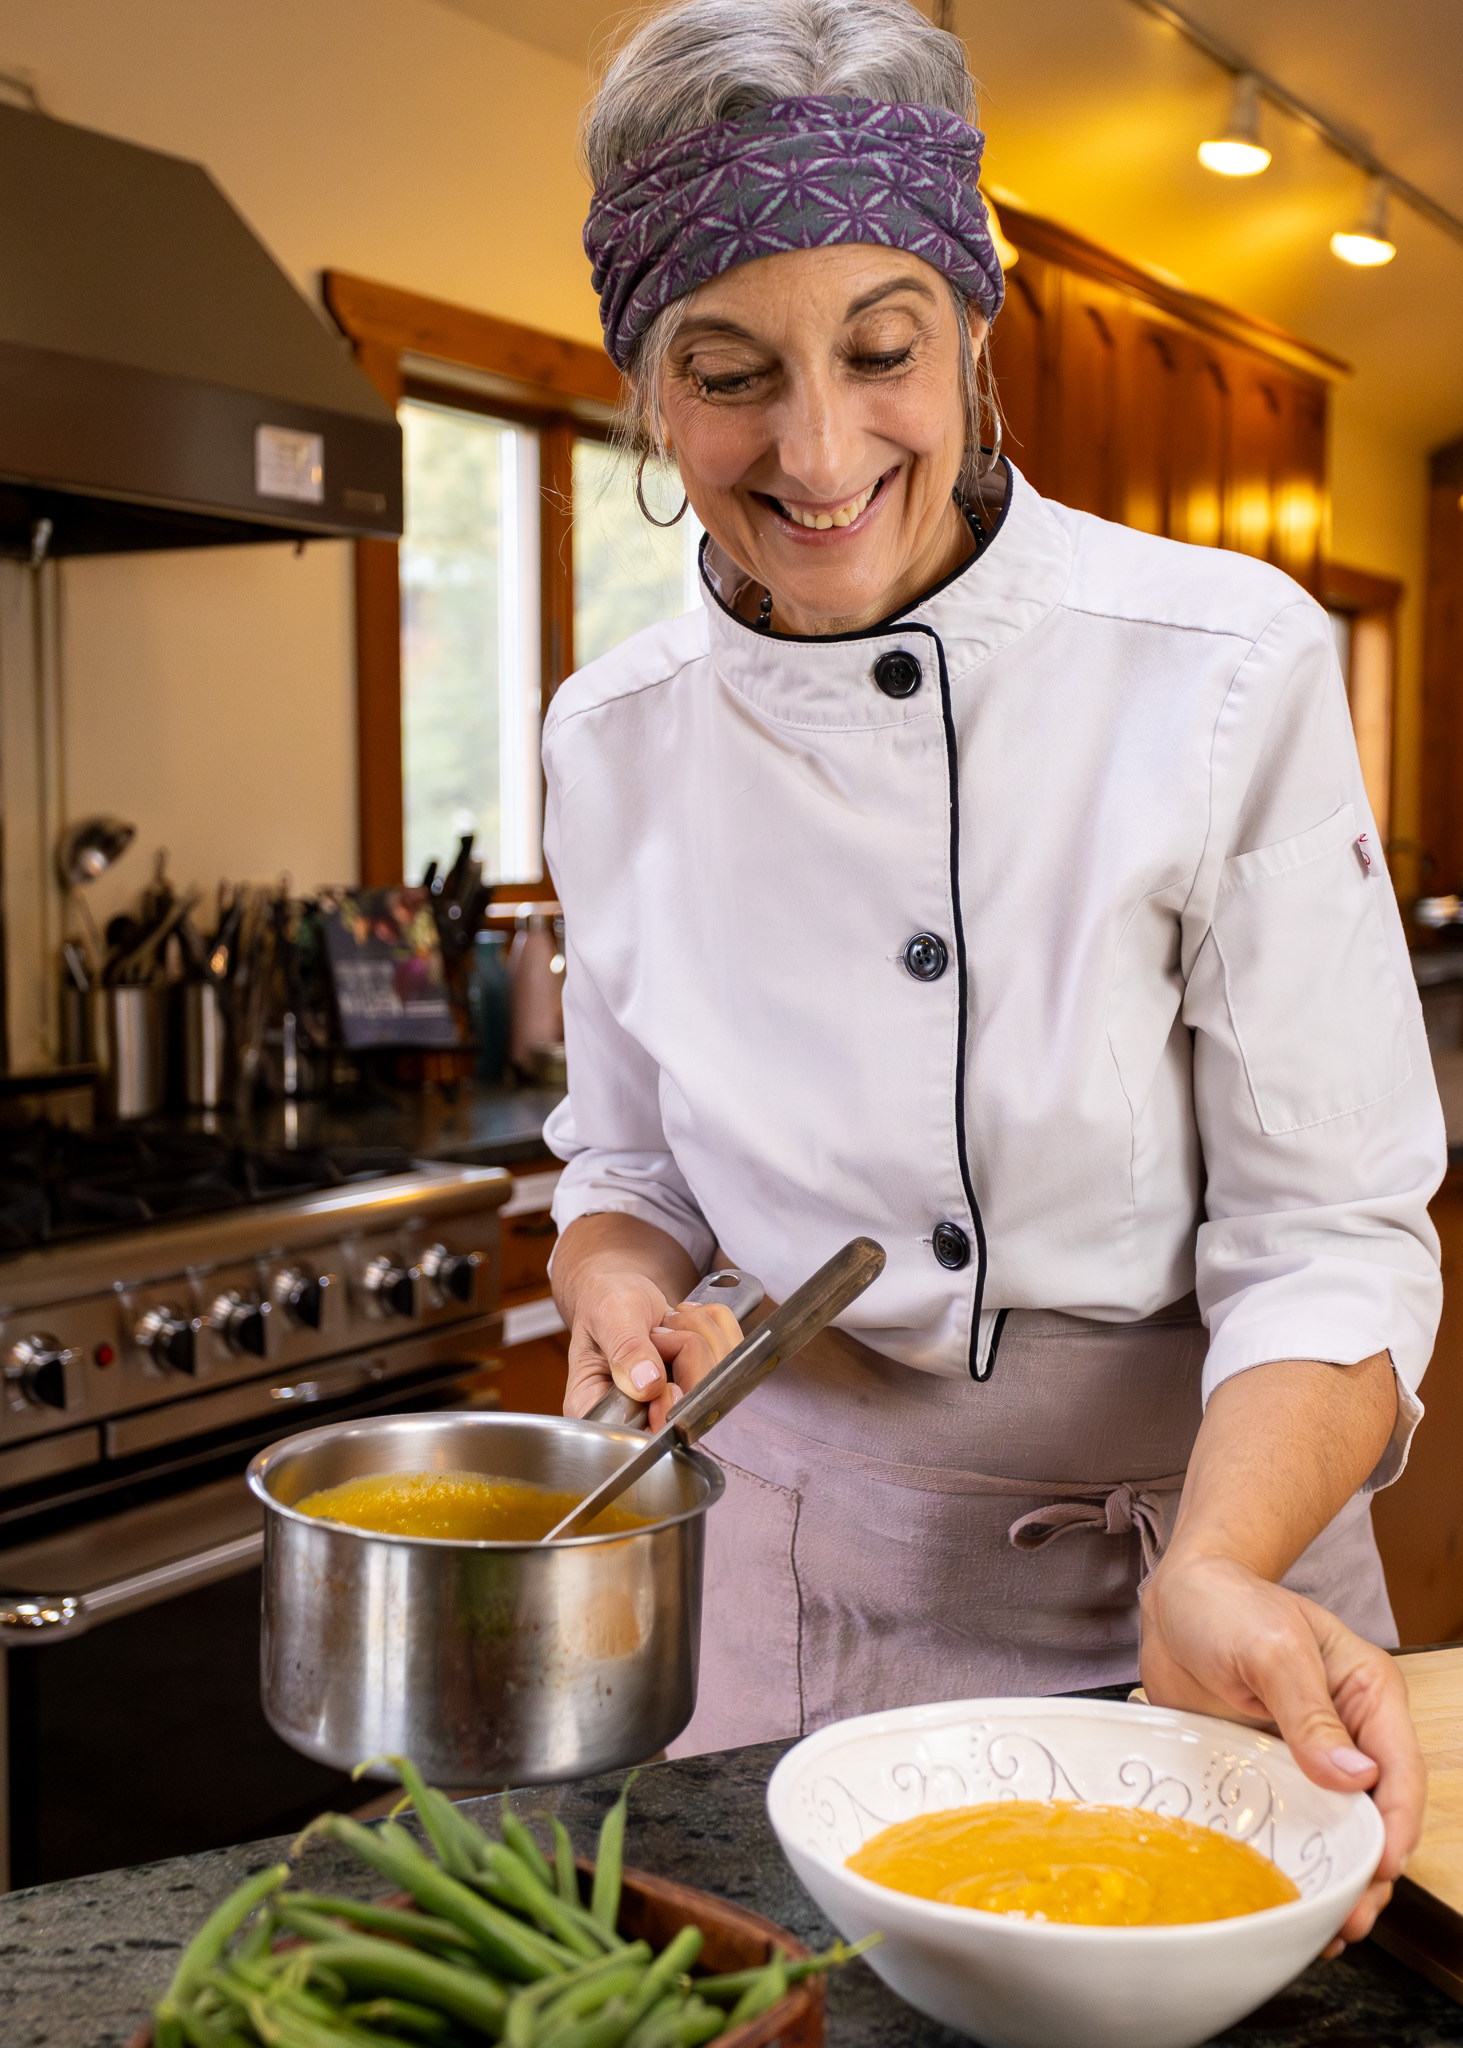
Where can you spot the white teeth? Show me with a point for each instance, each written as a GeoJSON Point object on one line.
{"type": "Point", "coordinates": [844, 516]}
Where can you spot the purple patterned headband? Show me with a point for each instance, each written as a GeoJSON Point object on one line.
{"type": "Point", "coordinates": [795, 174]}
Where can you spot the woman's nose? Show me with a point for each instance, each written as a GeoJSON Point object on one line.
{"type": "Point", "coordinates": [818, 441]}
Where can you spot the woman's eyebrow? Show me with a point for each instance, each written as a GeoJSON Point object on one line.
{"type": "Point", "coordinates": [710, 324]}
{"type": "Point", "coordinates": [885, 291]}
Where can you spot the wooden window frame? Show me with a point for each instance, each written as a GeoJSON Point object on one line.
{"type": "Point", "coordinates": [1370, 602]}
{"type": "Point", "coordinates": [415, 347]}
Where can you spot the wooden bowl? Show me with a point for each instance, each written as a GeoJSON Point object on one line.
{"type": "Point", "coordinates": [653, 1909]}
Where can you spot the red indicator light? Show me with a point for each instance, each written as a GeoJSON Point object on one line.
{"type": "Point", "coordinates": [104, 1355]}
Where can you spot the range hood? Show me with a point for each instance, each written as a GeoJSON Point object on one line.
{"type": "Point", "coordinates": [162, 382]}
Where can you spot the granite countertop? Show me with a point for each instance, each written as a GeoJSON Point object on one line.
{"type": "Point", "coordinates": [80, 1962]}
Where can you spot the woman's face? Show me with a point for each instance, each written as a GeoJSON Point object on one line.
{"type": "Point", "coordinates": [813, 403]}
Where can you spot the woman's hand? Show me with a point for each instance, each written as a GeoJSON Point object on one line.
{"type": "Point", "coordinates": [1219, 1639]}
{"type": "Point", "coordinates": [614, 1281]}
{"type": "Point", "coordinates": [625, 1335]}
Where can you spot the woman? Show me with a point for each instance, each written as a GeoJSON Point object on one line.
{"type": "Point", "coordinates": [1000, 883]}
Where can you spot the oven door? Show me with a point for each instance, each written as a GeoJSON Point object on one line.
{"type": "Point", "coordinates": [129, 1638]}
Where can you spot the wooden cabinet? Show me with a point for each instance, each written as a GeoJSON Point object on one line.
{"type": "Point", "coordinates": [1130, 398]}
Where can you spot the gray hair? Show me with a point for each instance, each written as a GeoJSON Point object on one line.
{"type": "Point", "coordinates": [701, 61]}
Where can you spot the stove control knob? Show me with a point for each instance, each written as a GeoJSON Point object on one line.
{"type": "Point", "coordinates": [168, 1337]}
{"type": "Point", "coordinates": [453, 1274]}
{"type": "Point", "coordinates": [241, 1323]}
{"type": "Point", "coordinates": [302, 1296]}
{"type": "Point", "coordinates": [35, 1371]}
{"type": "Point", "coordinates": [391, 1290]}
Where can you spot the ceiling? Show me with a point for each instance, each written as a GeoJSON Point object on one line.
{"type": "Point", "coordinates": [1093, 112]}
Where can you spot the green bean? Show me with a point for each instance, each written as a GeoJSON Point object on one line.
{"type": "Point", "coordinates": [609, 1862]}
{"type": "Point", "coordinates": [677, 2024]}
{"type": "Point", "coordinates": [283, 2025]}
{"type": "Point", "coordinates": [217, 1931]}
{"type": "Point", "coordinates": [673, 1961]}
{"type": "Point", "coordinates": [385, 1967]}
{"type": "Point", "coordinates": [517, 1951]}
{"type": "Point", "coordinates": [525, 2006]}
{"type": "Point", "coordinates": [766, 1988]}
{"type": "Point", "coordinates": [417, 2020]}
{"type": "Point", "coordinates": [566, 1875]}
{"type": "Point", "coordinates": [519, 1839]}
{"type": "Point", "coordinates": [198, 2032]}
{"type": "Point", "coordinates": [619, 1983]}
{"type": "Point", "coordinates": [456, 1839]}
{"type": "Point", "coordinates": [651, 2023]}
{"type": "Point", "coordinates": [418, 1928]}
{"type": "Point", "coordinates": [544, 1907]}
{"type": "Point", "coordinates": [731, 1986]}
{"type": "Point", "coordinates": [167, 2026]}
{"type": "Point", "coordinates": [604, 2029]}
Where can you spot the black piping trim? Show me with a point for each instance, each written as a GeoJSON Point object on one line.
{"type": "Point", "coordinates": [881, 626]}
{"type": "Point", "coordinates": [952, 758]}
{"type": "Point", "coordinates": [996, 1334]}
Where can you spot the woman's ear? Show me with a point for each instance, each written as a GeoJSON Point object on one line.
{"type": "Point", "coordinates": [978, 324]}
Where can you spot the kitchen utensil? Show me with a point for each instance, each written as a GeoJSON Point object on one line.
{"type": "Point", "coordinates": [740, 1292]}
{"type": "Point", "coordinates": [140, 962]}
{"type": "Point", "coordinates": [1018, 1983]}
{"type": "Point", "coordinates": [89, 847]}
{"type": "Point", "coordinates": [127, 1034]}
{"type": "Point", "coordinates": [805, 1312]}
{"type": "Point", "coordinates": [536, 1001]}
{"type": "Point", "coordinates": [1423, 1926]}
{"type": "Point", "coordinates": [203, 1040]}
{"type": "Point", "coordinates": [488, 1663]}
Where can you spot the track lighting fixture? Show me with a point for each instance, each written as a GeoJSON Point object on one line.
{"type": "Point", "coordinates": [1238, 152]}
{"type": "Point", "coordinates": [1370, 242]}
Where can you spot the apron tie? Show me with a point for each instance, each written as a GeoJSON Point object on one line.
{"type": "Point", "coordinates": [1115, 1511]}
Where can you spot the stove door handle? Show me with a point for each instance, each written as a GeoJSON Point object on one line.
{"type": "Point", "coordinates": [28, 1620]}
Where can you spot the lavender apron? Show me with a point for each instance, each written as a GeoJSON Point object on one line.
{"type": "Point", "coordinates": [888, 1536]}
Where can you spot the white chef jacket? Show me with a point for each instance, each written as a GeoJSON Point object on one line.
{"type": "Point", "coordinates": [1177, 1043]}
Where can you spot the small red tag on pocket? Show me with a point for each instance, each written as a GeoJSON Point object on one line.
{"type": "Point", "coordinates": [1363, 853]}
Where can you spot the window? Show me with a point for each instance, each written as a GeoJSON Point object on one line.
{"type": "Point", "coordinates": [627, 573]}
{"type": "Point", "coordinates": [470, 641]}
{"type": "Point", "coordinates": [525, 556]}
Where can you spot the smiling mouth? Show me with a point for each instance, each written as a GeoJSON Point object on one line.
{"type": "Point", "coordinates": [840, 515]}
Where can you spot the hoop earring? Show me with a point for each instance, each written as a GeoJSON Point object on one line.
{"type": "Point", "coordinates": [986, 468]}
{"type": "Point", "coordinates": [645, 510]}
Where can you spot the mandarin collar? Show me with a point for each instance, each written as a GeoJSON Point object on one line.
{"type": "Point", "coordinates": [995, 598]}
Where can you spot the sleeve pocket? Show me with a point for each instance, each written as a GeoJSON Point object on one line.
{"type": "Point", "coordinates": [1312, 992]}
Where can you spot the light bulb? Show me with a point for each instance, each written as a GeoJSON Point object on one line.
{"type": "Point", "coordinates": [1369, 244]}
{"type": "Point", "coordinates": [1238, 152]}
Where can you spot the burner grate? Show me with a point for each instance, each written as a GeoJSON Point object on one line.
{"type": "Point", "coordinates": [58, 1184]}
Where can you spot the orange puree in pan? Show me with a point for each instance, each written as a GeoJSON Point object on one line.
{"type": "Point", "coordinates": [467, 1506]}
{"type": "Point", "coordinates": [1099, 1866]}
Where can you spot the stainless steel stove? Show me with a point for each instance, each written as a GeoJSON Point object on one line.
{"type": "Point", "coordinates": [142, 1366]}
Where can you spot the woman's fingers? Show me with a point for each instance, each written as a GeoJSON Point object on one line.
{"type": "Point", "coordinates": [693, 1340]}
{"type": "Point", "coordinates": [1214, 1631]}
{"type": "Point", "coordinates": [611, 1345]}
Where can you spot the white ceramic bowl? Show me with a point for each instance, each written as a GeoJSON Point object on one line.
{"type": "Point", "coordinates": [1031, 1984]}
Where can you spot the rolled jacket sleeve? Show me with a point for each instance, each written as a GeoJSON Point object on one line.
{"type": "Point", "coordinates": [1322, 1133]}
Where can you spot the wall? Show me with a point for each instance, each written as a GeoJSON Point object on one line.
{"type": "Point", "coordinates": [1379, 522]}
{"type": "Point", "coordinates": [209, 696]}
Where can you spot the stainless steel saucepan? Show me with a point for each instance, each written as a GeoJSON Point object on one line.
{"type": "Point", "coordinates": [496, 1663]}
